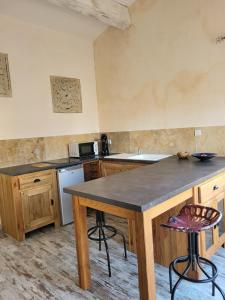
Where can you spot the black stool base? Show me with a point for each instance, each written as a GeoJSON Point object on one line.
{"type": "Point", "coordinates": [193, 262]}
{"type": "Point", "coordinates": [101, 233]}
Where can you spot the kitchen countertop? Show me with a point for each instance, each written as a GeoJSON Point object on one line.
{"type": "Point", "coordinates": [63, 163]}
{"type": "Point", "coordinates": [51, 164]}
{"type": "Point", "coordinates": [147, 186]}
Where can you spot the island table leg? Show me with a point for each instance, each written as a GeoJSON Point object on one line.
{"type": "Point", "coordinates": [80, 221]}
{"type": "Point", "coordinates": [145, 256]}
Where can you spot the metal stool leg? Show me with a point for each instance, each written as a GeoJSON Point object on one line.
{"type": "Point", "coordinates": [187, 268]}
{"type": "Point", "coordinates": [99, 230]}
{"type": "Point", "coordinates": [107, 251]}
{"type": "Point", "coordinates": [170, 278]}
{"type": "Point", "coordinates": [100, 242]}
{"type": "Point", "coordinates": [124, 243]}
{"type": "Point", "coordinates": [99, 223]}
{"type": "Point", "coordinates": [125, 247]}
{"type": "Point", "coordinates": [215, 285]}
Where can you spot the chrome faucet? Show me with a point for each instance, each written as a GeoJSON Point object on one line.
{"type": "Point", "coordinates": [139, 151]}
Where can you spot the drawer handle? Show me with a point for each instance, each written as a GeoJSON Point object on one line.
{"type": "Point", "coordinates": [37, 180]}
{"type": "Point", "coordinates": [52, 202]}
{"type": "Point", "coordinates": [216, 187]}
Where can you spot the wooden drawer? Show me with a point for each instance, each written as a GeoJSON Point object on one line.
{"type": "Point", "coordinates": [211, 188]}
{"type": "Point", "coordinates": [32, 180]}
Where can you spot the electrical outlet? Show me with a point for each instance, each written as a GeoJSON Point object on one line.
{"type": "Point", "coordinates": [109, 141]}
{"type": "Point", "coordinates": [198, 132]}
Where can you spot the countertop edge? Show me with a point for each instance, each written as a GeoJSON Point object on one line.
{"type": "Point", "coordinates": [28, 168]}
{"type": "Point", "coordinates": [153, 203]}
{"type": "Point", "coordinates": [101, 199]}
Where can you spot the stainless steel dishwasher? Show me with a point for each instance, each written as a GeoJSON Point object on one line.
{"type": "Point", "coordinates": [66, 177]}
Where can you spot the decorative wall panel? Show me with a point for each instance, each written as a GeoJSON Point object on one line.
{"type": "Point", "coordinates": [66, 94]}
{"type": "Point", "coordinates": [5, 84]}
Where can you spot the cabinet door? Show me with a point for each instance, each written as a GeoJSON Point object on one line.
{"type": "Point", "coordinates": [38, 207]}
{"type": "Point", "coordinates": [214, 238]}
{"type": "Point", "coordinates": [109, 168]}
{"type": "Point", "coordinates": [91, 170]}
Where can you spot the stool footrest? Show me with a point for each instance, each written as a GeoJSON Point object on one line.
{"type": "Point", "coordinates": [91, 231]}
{"type": "Point", "coordinates": [194, 262]}
{"type": "Point", "coordinates": [199, 260]}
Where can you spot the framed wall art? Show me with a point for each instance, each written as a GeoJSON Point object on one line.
{"type": "Point", "coordinates": [66, 94]}
{"type": "Point", "coordinates": [5, 83]}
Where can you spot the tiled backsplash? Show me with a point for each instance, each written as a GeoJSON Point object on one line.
{"type": "Point", "coordinates": [20, 151]}
{"type": "Point", "coordinates": [170, 140]}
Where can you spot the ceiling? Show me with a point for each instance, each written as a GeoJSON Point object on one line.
{"type": "Point", "coordinates": [85, 17]}
{"type": "Point", "coordinates": [42, 13]}
{"type": "Point", "coordinates": [111, 12]}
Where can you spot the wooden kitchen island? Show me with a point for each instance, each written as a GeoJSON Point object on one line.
{"type": "Point", "coordinates": [146, 196]}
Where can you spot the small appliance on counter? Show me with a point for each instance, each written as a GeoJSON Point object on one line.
{"type": "Point", "coordinates": [82, 150]}
{"type": "Point", "coordinates": [105, 145]}
{"type": "Point", "coordinates": [97, 147]}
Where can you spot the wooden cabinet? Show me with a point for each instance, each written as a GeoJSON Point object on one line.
{"type": "Point", "coordinates": [91, 170]}
{"type": "Point", "coordinates": [113, 167]}
{"type": "Point", "coordinates": [212, 194]}
{"type": "Point", "coordinates": [28, 202]}
{"type": "Point", "coordinates": [37, 207]}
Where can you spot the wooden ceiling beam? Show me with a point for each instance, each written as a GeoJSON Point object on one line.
{"type": "Point", "coordinates": [125, 2]}
{"type": "Point", "coordinates": [110, 12]}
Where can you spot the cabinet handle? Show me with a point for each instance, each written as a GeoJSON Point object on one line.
{"type": "Point", "coordinates": [216, 187]}
{"type": "Point", "coordinates": [52, 202]}
{"type": "Point", "coordinates": [37, 180]}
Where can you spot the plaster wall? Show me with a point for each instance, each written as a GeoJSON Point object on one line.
{"type": "Point", "coordinates": [166, 70]}
{"type": "Point", "coordinates": [35, 53]}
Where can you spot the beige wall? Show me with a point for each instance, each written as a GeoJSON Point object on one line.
{"type": "Point", "coordinates": [35, 53]}
{"type": "Point", "coordinates": [166, 71]}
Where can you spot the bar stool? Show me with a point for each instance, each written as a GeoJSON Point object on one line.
{"type": "Point", "coordinates": [102, 232]}
{"type": "Point", "coordinates": [192, 219]}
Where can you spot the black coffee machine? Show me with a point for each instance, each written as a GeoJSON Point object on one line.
{"type": "Point", "coordinates": [104, 144]}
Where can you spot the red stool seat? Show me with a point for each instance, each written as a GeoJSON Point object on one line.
{"type": "Point", "coordinates": [194, 218]}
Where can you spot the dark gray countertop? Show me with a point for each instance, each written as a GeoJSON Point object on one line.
{"type": "Point", "coordinates": [53, 164]}
{"type": "Point", "coordinates": [147, 186]}
{"type": "Point", "coordinates": [57, 164]}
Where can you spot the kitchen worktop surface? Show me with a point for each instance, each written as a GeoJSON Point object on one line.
{"type": "Point", "coordinates": [147, 186]}
{"type": "Point", "coordinates": [46, 165]}
{"type": "Point", "coordinates": [65, 162]}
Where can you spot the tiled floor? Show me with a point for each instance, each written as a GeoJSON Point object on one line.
{"type": "Point", "coordinates": [44, 267]}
